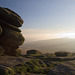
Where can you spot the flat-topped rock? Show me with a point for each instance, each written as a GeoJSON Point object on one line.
{"type": "Point", "coordinates": [10, 17]}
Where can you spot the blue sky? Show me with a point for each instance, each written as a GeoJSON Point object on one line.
{"type": "Point", "coordinates": [44, 18]}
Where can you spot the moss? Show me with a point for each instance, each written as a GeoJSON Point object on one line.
{"type": "Point", "coordinates": [20, 69]}
{"type": "Point", "coordinates": [32, 66]}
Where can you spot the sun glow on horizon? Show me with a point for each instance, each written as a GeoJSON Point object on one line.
{"type": "Point", "coordinates": [36, 34]}
{"type": "Point", "coordinates": [67, 35]}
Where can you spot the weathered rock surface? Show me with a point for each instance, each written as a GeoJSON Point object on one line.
{"type": "Point", "coordinates": [7, 25]}
{"type": "Point", "coordinates": [12, 61]}
{"type": "Point", "coordinates": [10, 17]}
{"type": "Point", "coordinates": [6, 70]}
{"type": "Point", "coordinates": [66, 68]}
{"type": "Point", "coordinates": [10, 35]}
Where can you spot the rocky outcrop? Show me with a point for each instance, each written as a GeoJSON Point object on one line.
{"type": "Point", "coordinates": [10, 34]}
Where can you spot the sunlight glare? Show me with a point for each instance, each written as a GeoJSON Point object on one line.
{"type": "Point", "coordinates": [67, 35]}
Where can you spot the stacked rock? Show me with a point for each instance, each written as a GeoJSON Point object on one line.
{"type": "Point", "coordinates": [10, 34]}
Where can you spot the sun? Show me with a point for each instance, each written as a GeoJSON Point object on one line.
{"type": "Point", "coordinates": [67, 35]}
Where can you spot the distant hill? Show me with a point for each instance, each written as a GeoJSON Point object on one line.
{"type": "Point", "coordinates": [51, 45]}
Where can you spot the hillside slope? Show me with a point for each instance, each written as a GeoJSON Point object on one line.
{"type": "Point", "coordinates": [51, 45]}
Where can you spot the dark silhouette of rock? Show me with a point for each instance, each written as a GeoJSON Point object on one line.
{"type": "Point", "coordinates": [10, 17]}
{"type": "Point", "coordinates": [7, 25]}
{"type": "Point", "coordinates": [10, 35]}
{"type": "Point", "coordinates": [33, 52]}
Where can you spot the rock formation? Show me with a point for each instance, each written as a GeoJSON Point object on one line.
{"type": "Point", "coordinates": [10, 34]}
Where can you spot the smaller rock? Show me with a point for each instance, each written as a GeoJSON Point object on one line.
{"type": "Point", "coordinates": [33, 52]}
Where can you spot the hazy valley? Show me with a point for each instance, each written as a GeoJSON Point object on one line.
{"type": "Point", "coordinates": [51, 45]}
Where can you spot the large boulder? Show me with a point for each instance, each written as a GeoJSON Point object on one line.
{"type": "Point", "coordinates": [10, 34]}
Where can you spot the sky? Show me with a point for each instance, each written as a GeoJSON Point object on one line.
{"type": "Point", "coordinates": [44, 19]}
